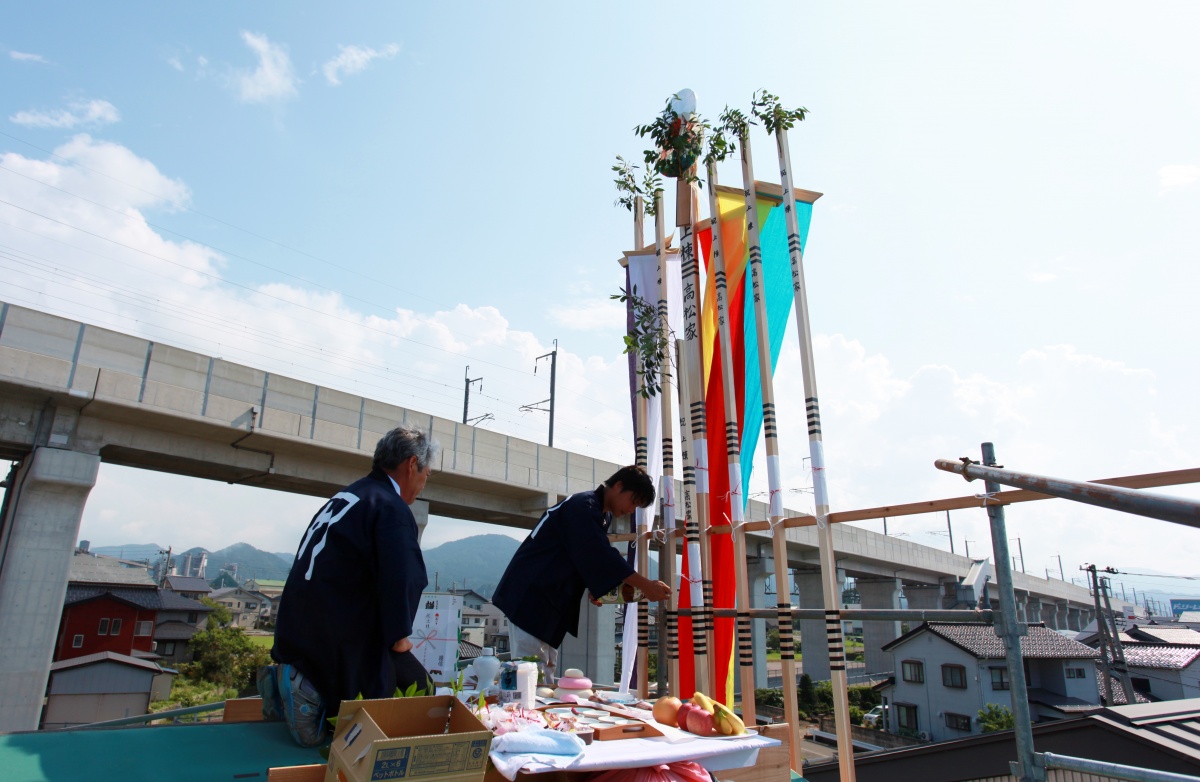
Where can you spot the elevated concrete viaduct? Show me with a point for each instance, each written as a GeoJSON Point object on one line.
{"type": "Point", "coordinates": [74, 395]}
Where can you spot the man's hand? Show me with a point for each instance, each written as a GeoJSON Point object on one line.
{"type": "Point", "coordinates": [656, 590]}
{"type": "Point", "coordinates": [403, 645]}
{"type": "Point", "coordinates": [594, 600]}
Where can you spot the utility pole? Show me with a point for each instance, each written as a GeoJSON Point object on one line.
{"type": "Point", "coordinates": [885, 526]}
{"type": "Point", "coordinates": [950, 532]}
{"type": "Point", "coordinates": [1112, 656]}
{"type": "Point", "coordinates": [968, 545]}
{"type": "Point", "coordinates": [467, 381]}
{"type": "Point", "coordinates": [1060, 569]}
{"type": "Point", "coordinates": [553, 356]}
{"type": "Point", "coordinates": [166, 567]}
{"type": "Point", "coordinates": [1021, 554]}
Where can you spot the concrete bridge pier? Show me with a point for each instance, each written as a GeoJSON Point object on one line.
{"type": "Point", "coordinates": [1073, 619]}
{"type": "Point", "coordinates": [884, 593]}
{"type": "Point", "coordinates": [1022, 599]}
{"type": "Point", "coordinates": [420, 512]}
{"type": "Point", "coordinates": [758, 570]}
{"type": "Point", "coordinates": [814, 646]}
{"type": "Point", "coordinates": [43, 508]}
{"type": "Point", "coordinates": [1033, 609]}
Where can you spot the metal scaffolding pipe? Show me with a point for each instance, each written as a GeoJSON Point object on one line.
{"type": "Point", "coordinates": [1142, 503]}
{"type": "Point", "coordinates": [868, 614]}
{"type": "Point", "coordinates": [1049, 760]}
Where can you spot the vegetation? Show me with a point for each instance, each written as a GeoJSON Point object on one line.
{"type": "Point", "coordinates": [225, 663]}
{"type": "Point", "coordinates": [994, 717]}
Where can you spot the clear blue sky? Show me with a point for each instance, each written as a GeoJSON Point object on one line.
{"type": "Point", "coordinates": [373, 197]}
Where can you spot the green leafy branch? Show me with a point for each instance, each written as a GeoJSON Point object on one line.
{"type": "Point", "coordinates": [649, 340]}
{"type": "Point", "coordinates": [722, 141]}
{"type": "Point", "coordinates": [735, 123]}
{"type": "Point", "coordinates": [678, 142]}
{"type": "Point", "coordinates": [773, 115]}
{"type": "Point", "coordinates": [628, 187]}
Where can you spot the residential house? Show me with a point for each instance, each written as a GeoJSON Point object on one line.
{"type": "Point", "coordinates": [100, 686]}
{"type": "Point", "coordinates": [946, 672]}
{"type": "Point", "coordinates": [1163, 660]}
{"type": "Point", "coordinates": [1151, 736]}
{"type": "Point", "coordinates": [188, 586]}
{"type": "Point", "coordinates": [471, 598]}
{"type": "Point", "coordinates": [110, 608]}
{"type": "Point", "coordinates": [242, 604]}
{"type": "Point", "coordinates": [269, 590]}
{"type": "Point", "coordinates": [177, 623]}
{"type": "Point", "coordinates": [1162, 672]}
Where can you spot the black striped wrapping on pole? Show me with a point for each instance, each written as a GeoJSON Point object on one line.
{"type": "Point", "coordinates": [770, 426]}
{"type": "Point", "coordinates": [641, 449]}
{"type": "Point", "coordinates": [745, 640]}
{"type": "Point", "coordinates": [706, 589]}
{"type": "Point", "coordinates": [672, 635]}
{"type": "Point", "coordinates": [732, 448]}
{"type": "Point", "coordinates": [814, 415]}
{"type": "Point", "coordinates": [835, 640]}
{"type": "Point", "coordinates": [787, 639]}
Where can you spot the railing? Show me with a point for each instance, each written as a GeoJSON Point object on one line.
{"type": "Point", "coordinates": [173, 714]}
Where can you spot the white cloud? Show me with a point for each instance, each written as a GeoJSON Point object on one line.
{"type": "Point", "coordinates": [175, 63]}
{"type": "Point", "coordinates": [590, 315]}
{"type": "Point", "coordinates": [1052, 409]}
{"type": "Point", "coordinates": [352, 59]}
{"type": "Point", "coordinates": [27, 57]}
{"type": "Point", "coordinates": [1042, 276]}
{"type": "Point", "coordinates": [273, 79]}
{"type": "Point", "coordinates": [1178, 176]}
{"type": "Point", "coordinates": [91, 113]}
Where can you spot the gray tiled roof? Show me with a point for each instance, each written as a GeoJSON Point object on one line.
{"type": "Point", "coordinates": [1176, 636]}
{"type": "Point", "coordinates": [174, 631]}
{"type": "Point", "coordinates": [1171, 657]}
{"type": "Point", "coordinates": [188, 584]}
{"type": "Point", "coordinates": [1118, 693]}
{"type": "Point", "coordinates": [152, 598]}
{"type": "Point", "coordinates": [104, 657]}
{"type": "Point", "coordinates": [86, 568]}
{"type": "Point", "coordinates": [981, 641]}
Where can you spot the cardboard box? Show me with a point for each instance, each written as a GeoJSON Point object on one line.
{"type": "Point", "coordinates": [435, 634]}
{"type": "Point", "coordinates": [432, 739]}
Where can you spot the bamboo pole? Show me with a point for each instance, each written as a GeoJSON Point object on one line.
{"type": "Point", "coordinates": [829, 589]}
{"type": "Point", "coordinates": [668, 447]}
{"type": "Point", "coordinates": [689, 358]}
{"type": "Point", "coordinates": [783, 590]}
{"type": "Point", "coordinates": [642, 459]}
{"type": "Point", "coordinates": [745, 643]}
{"type": "Point", "coordinates": [689, 474]}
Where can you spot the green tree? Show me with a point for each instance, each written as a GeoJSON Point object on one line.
{"type": "Point", "coordinates": [224, 656]}
{"type": "Point", "coordinates": [773, 639]}
{"type": "Point", "coordinates": [220, 615]}
{"type": "Point", "coordinates": [994, 717]}
{"type": "Point", "coordinates": [806, 694]}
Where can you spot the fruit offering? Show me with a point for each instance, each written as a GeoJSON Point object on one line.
{"type": "Point", "coordinates": [702, 716]}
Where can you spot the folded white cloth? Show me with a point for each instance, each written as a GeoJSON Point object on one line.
{"type": "Point", "coordinates": [538, 742]}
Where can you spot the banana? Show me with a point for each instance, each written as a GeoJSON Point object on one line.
{"type": "Point", "coordinates": [704, 702]}
{"type": "Point", "coordinates": [728, 723]}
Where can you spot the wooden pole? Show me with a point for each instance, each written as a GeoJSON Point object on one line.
{"type": "Point", "coordinates": [668, 448]}
{"type": "Point", "coordinates": [829, 587]}
{"type": "Point", "coordinates": [690, 359]}
{"type": "Point", "coordinates": [745, 643]}
{"type": "Point", "coordinates": [642, 459]}
{"type": "Point", "coordinates": [787, 641]}
{"type": "Point", "coordinates": [689, 474]}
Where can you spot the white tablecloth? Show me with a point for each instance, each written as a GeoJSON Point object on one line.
{"type": "Point", "coordinates": [713, 754]}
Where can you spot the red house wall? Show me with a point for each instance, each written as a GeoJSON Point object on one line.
{"type": "Point", "coordinates": [84, 619]}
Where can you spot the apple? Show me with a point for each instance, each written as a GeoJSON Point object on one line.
{"type": "Point", "coordinates": [681, 716]}
{"type": "Point", "coordinates": [666, 710]}
{"type": "Point", "coordinates": [700, 722]}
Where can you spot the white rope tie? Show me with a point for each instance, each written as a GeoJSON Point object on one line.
{"type": "Point", "coordinates": [991, 495]}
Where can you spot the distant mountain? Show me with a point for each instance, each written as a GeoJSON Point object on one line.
{"type": "Point", "coordinates": [250, 562]}
{"type": "Point", "coordinates": [476, 562]}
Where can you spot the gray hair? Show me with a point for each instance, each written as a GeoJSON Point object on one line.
{"type": "Point", "coordinates": [403, 443]}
